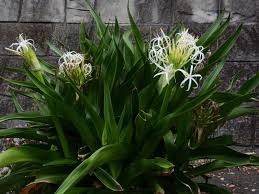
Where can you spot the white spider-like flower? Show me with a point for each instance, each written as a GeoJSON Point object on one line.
{"type": "Point", "coordinates": [171, 55]}
{"type": "Point", "coordinates": [167, 70]}
{"type": "Point", "coordinates": [72, 64]}
{"type": "Point", "coordinates": [71, 57]}
{"type": "Point", "coordinates": [190, 77]}
{"type": "Point", "coordinates": [22, 45]}
{"type": "Point", "coordinates": [186, 39]}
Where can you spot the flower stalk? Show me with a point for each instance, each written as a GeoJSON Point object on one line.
{"type": "Point", "coordinates": [25, 48]}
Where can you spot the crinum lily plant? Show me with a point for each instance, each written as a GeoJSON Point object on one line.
{"type": "Point", "coordinates": [122, 115]}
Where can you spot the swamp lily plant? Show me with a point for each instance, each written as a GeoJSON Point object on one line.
{"type": "Point", "coordinates": [122, 116]}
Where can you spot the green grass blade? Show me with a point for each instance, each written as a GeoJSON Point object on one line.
{"type": "Point", "coordinates": [27, 154]}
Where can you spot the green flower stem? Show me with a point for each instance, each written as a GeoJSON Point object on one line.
{"type": "Point", "coordinates": [32, 60]}
{"type": "Point", "coordinates": [62, 138]}
{"type": "Point", "coordinates": [166, 99]}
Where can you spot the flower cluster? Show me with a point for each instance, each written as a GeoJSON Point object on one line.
{"type": "Point", "coordinates": [72, 64]}
{"type": "Point", "coordinates": [171, 56]}
{"type": "Point", "coordinates": [22, 45]}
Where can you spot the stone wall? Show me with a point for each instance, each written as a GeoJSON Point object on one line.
{"type": "Point", "coordinates": [58, 20]}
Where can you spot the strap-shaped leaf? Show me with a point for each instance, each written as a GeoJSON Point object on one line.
{"type": "Point", "coordinates": [17, 105]}
{"type": "Point", "coordinates": [136, 32]}
{"type": "Point", "coordinates": [27, 154]}
{"type": "Point", "coordinates": [212, 189]}
{"type": "Point", "coordinates": [240, 111]}
{"type": "Point", "coordinates": [20, 83]}
{"type": "Point", "coordinates": [28, 116]}
{"type": "Point", "coordinates": [224, 140]}
{"type": "Point", "coordinates": [227, 107]}
{"type": "Point", "coordinates": [70, 113]}
{"type": "Point", "coordinates": [109, 114]}
{"type": "Point", "coordinates": [210, 167]}
{"type": "Point", "coordinates": [56, 50]}
{"type": "Point", "coordinates": [107, 180]}
{"type": "Point", "coordinates": [224, 154]}
{"type": "Point", "coordinates": [104, 155]}
{"type": "Point", "coordinates": [26, 133]}
{"type": "Point", "coordinates": [250, 84]}
{"type": "Point", "coordinates": [211, 78]}
{"type": "Point", "coordinates": [214, 32]}
{"type": "Point", "coordinates": [140, 167]}
{"type": "Point", "coordinates": [99, 23]}
{"type": "Point", "coordinates": [224, 49]}
{"type": "Point", "coordinates": [44, 88]}
{"type": "Point", "coordinates": [190, 186]}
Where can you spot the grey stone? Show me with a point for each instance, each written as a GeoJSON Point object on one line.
{"type": "Point", "coordinates": [43, 11]}
{"type": "Point", "coordinates": [238, 71]}
{"type": "Point", "coordinates": [7, 62]}
{"type": "Point", "coordinates": [66, 36]}
{"type": "Point", "coordinates": [9, 10]}
{"type": "Point", "coordinates": [77, 16]}
{"type": "Point", "coordinates": [198, 11]}
{"type": "Point", "coordinates": [6, 105]}
{"type": "Point", "coordinates": [78, 4]}
{"type": "Point", "coordinates": [40, 33]}
{"type": "Point", "coordinates": [246, 47]}
{"type": "Point", "coordinates": [241, 11]}
{"type": "Point", "coordinates": [110, 8]}
{"type": "Point", "coordinates": [154, 11]}
{"type": "Point", "coordinates": [242, 130]}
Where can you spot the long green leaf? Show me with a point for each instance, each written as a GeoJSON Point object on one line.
{"type": "Point", "coordinates": [224, 154]}
{"type": "Point", "coordinates": [250, 84]}
{"type": "Point", "coordinates": [224, 49]}
{"type": "Point", "coordinates": [109, 114]}
{"type": "Point", "coordinates": [104, 155]}
{"type": "Point", "coordinates": [44, 88]}
{"type": "Point", "coordinates": [212, 189]}
{"type": "Point", "coordinates": [27, 154]}
{"type": "Point", "coordinates": [28, 116]}
{"type": "Point", "coordinates": [107, 180]}
{"type": "Point", "coordinates": [26, 133]}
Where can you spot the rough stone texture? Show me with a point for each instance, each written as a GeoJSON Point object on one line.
{"type": "Point", "coordinates": [9, 10]}
{"type": "Point", "coordinates": [110, 8]}
{"type": "Point", "coordinates": [6, 62]}
{"type": "Point", "coordinates": [6, 105]}
{"type": "Point", "coordinates": [153, 12]}
{"type": "Point", "coordinates": [198, 11]}
{"type": "Point", "coordinates": [78, 4]}
{"type": "Point", "coordinates": [241, 11]}
{"type": "Point", "coordinates": [246, 47]}
{"type": "Point", "coordinates": [242, 130]}
{"type": "Point", "coordinates": [77, 16]}
{"type": "Point", "coordinates": [67, 34]}
{"type": "Point", "coordinates": [239, 71]}
{"type": "Point", "coordinates": [39, 32]}
{"type": "Point", "coordinates": [43, 11]}
{"type": "Point", "coordinates": [77, 11]}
